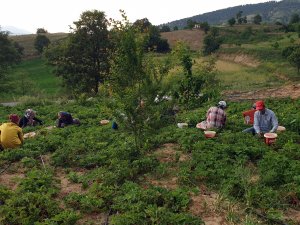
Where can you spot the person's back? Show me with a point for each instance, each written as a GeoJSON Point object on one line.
{"type": "Point", "coordinates": [11, 135]}
{"type": "Point", "coordinates": [65, 118]}
{"type": "Point", "coordinates": [30, 119]}
{"type": "Point", "coordinates": [216, 117]}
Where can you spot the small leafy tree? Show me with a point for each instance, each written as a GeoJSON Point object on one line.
{"type": "Point", "coordinates": [165, 28]}
{"type": "Point", "coordinates": [295, 18]}
{"type": "Point", "coordinates": [211, 42]}
{"type": "Point", "coordinates": [175, 28]}
{"type": "Point", "coordinates": [190, 24]}
{"type": "Point", "coordinates": [193, 88]}
{"type": "Point", "coordinates": [41, 31]}
{"type": "Point", "coordinates": [231, 21]}
{"type": "Point", "coordinates": [239, 18]}
{"type": "Point", "coordinates": [294, 59]}
{"type": "Point", "coordinates": [257, 19]}
{"type": "Point", "coordinates": [136, 80]}
{"type": "Point", "coordinates": [205, 27]}
{"type": "Point", "coordinates": [41, 42]}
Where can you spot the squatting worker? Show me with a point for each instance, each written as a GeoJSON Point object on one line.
{"type": "Point", "coordinates": [265, 120]}
{"type": "Point", "coordinates": [215, 117]}
{"type": "Point", "coordinates": [11, 135]}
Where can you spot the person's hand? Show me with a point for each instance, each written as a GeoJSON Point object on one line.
{"type": "Point", "coordinates": [260, 134]}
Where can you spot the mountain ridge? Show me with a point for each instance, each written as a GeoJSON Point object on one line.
{"type": "Point", "coordinates": [270, 11]}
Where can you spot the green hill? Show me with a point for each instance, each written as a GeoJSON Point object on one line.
{"type": "Point", "coordinates": [271, 12]}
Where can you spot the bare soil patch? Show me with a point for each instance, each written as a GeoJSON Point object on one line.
{"type": "Point", "coordinates": [193, 38]}
{"type": "Point", "coordinates": [242, 59]}
{"type": "Point", "coordinates": [289, 90]}
{"type": "Point", "coordinates": [11, 175]}
{"type": "Point", "coordinates": [11, 181]}
{"type": "Point", "coordinates": [293, 215]}
{"type": "Point", "coordinates": [66, 186]}
{"type": "Point", "coordinates": [93, 218]}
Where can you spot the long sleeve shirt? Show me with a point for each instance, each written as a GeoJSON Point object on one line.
{"type": "Point", "coordinates": [11, 135]}
{"type": "Point", "coordinates": [266, 122]}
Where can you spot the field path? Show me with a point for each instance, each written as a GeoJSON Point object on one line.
{"type": "Point", "coordinates": [290, 90]}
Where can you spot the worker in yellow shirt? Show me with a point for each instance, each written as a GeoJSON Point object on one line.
{"type": "Point", "coordinates": [11, 135]}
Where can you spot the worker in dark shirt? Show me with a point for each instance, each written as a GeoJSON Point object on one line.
{"type": "Point", "coordinates": [29, 119]}
{"type": "Point", "coordinates": [65, 118]}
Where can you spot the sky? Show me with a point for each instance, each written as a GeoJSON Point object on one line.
{"type": "Point", "coordinates": [57, 15]}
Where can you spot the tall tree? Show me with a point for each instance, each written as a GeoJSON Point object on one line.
{"type": "Point", "coordinates": [10, 53]}
{"type": "Point", "coordinates": [83, 59]}
{"type": "Point", "coordinates": [190, 24]}
{"type": "Point", "coordinates": [41, 31]}
{"type": "Point", "coordinates": [239, 18]}
{"type": "Point", "coordinates": [257, 19]}
{"type": "Point", "coordinates": [41, 42]}
{"type": "Point", "coordinates": [205, 27]}
{"type": "Point", "coordinates": [152, 37]}
{"type": "Point", "coordinates": [295, 18]}
{"type": "Point", "coordinates": [231, 21]}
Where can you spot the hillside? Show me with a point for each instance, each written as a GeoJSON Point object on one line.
{"type": "Point", "coordinates": [27, 41]}
{"type": "Point", "coordinates": [270, 11]}
{"type": "Point", "coordinates": [194, 38]}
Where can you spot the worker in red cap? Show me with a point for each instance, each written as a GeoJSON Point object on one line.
{"type": "Point", "coordinates": [11, 135]}
{"type": "Point", "coordinates": [265, 120]}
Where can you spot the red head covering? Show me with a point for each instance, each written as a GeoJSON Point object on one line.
{"type": "Point", "coordinates": [14, 118]}
{"type": "Point", "coordinates": [260, 105]}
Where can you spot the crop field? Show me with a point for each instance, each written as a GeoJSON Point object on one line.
{"type": "Point", "coordinates": [90, 174]}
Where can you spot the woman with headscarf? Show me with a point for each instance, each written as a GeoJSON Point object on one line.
{"type": "Point", "coordinates": [215, 117]}
{"type": "Point", "coordinates": [11, 135]}
{"type": "Point", "coordinates": [65, 118]}
{"type": "Point", "coordinates": [29, 119]}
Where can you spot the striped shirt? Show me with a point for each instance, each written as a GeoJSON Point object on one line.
{"type": "Point", "coordinates": [215, 117]}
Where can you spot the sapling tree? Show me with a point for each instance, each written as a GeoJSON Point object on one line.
{"type": "Point", "coordinates": [136, 80]}
{"type": "Point", "coordinates": [294, 58]}
{"type": "Point", "coordinates": [195, 87]}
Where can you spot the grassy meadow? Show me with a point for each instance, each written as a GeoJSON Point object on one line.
{"type": "Point", "coordinates": [32, 78]}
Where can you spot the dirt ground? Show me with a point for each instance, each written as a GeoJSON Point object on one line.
{"type": "Point", "coordinates": [289, 90]}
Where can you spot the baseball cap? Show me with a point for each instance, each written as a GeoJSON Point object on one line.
{"type": "Point", "coordinates": [260, 105]}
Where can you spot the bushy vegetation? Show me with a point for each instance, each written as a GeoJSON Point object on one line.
{"type": "Point", "coordinates": [114, 174]}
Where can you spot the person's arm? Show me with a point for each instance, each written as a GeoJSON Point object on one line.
{"type": "Point", "coordinates": [38, 120]}
{"type": "Point", "coordinates": [256, 123]}
{"type": "Point", "coordinates": [20, 134]}
{"type": "Point", "coordinates": [274, 123]}
{"type": "Point", "coordinates": [59, 122]}
{"type": "Point", "coordinates": [22, 122]}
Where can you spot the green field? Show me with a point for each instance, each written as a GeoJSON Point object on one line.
{"type": "Point", "coordinates": [33, 78]}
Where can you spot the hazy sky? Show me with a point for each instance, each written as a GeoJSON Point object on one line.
{"type": "Point", "coordinates": [57, 15]}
